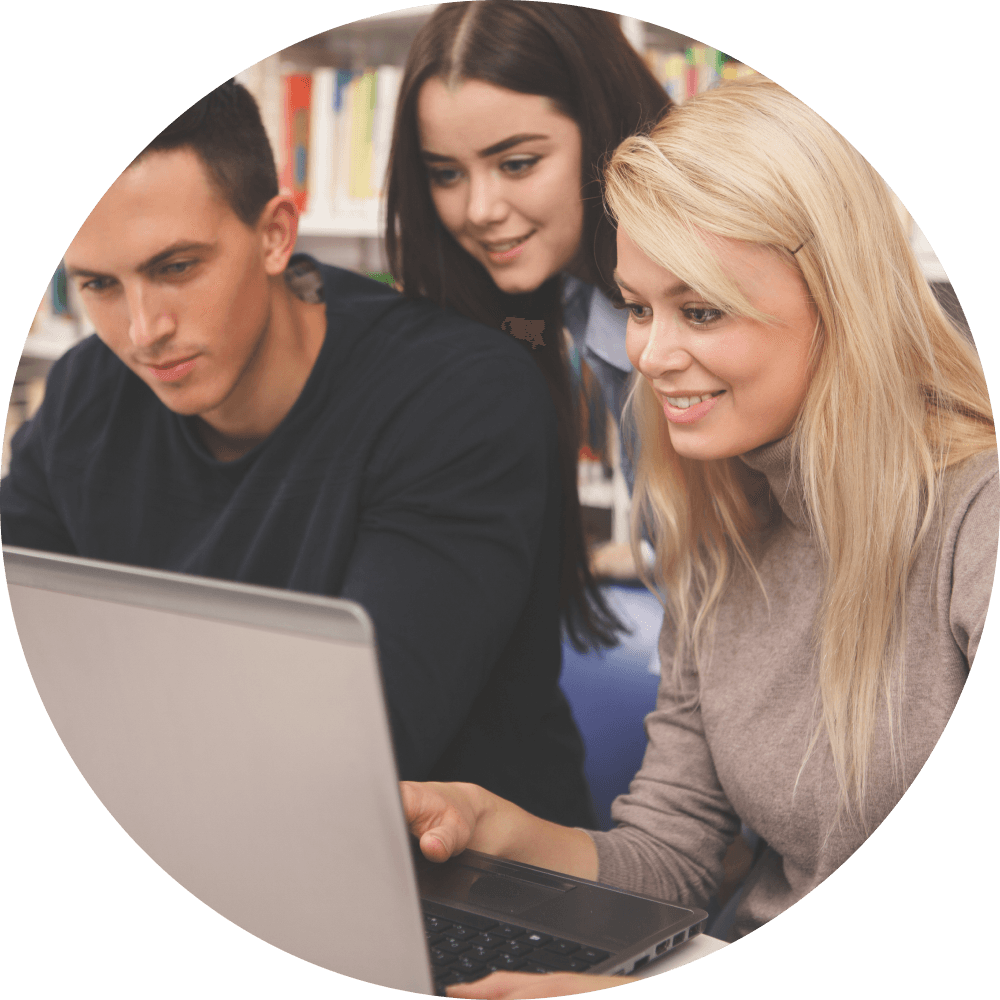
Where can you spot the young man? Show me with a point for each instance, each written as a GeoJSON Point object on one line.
{"type": "Point", "coordinates": [302, 427]}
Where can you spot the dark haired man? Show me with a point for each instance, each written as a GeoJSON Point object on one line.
{"type": "Point", "coordinates": [304, 427]}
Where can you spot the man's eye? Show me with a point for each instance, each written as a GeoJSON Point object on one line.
{"type": "Point", "coordinates": [96, 285]}
{"type": "Point", "coordinates": [702, 315]}
{"type": "Point", "coordinates": [176, 267]}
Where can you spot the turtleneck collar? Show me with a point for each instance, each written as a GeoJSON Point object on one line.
{"type": "Point", "coordinates": [775, 462]}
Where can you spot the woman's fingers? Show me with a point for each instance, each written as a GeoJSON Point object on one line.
{"type": "Point", "coordinates": [436, 818]}
{"type": "Point", "coordinates": [526, 985]}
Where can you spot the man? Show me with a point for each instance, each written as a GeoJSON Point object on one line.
{"type": "Point", "coordinates": [302, 427]}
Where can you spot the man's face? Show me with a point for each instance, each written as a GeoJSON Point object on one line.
{"type": "Point", "coordinates": [176, 284]}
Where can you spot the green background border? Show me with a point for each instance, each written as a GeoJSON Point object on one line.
{"type": "Point", "coordinates": [84, 911]}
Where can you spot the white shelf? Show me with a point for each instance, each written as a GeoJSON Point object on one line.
{"type": "Point", "coordinates": [51, 339]}
{"type": "Point", "coordinates": [365, 221]}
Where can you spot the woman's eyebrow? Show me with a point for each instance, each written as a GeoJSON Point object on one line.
{"type": "Point", "coordinates": [505, 144]}
{"type": "Point", "coordinates": [679, 289]}
{"type": "Point", "coordinates": [497, 147]}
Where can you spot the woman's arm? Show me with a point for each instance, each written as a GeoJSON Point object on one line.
{"type": "Point", "coordinates": [448, 818]}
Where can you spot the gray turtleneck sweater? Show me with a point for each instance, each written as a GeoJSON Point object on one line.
{"type": "Point", "coordinates": [737, 755]}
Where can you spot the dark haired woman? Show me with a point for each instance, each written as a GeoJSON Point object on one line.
{"type": "Point", "coordinates": [495, 205]}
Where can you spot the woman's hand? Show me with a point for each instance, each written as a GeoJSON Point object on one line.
{"type": "Point", "coordinates": [518, 985]}
{"type": "Point", "coordinates": [449, 817]}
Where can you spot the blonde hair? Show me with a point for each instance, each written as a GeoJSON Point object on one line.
{"type": "Point", "coordinates": [750, 162]}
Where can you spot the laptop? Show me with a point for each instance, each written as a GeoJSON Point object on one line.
{"type": "Point", "coordinates": [239, 735]}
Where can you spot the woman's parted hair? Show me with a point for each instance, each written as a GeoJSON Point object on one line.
{"type": "Point", "coordinates": [896, 395]}
{"type": "Point", "coordinates": [580, 59]}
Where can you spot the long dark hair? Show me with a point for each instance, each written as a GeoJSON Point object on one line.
{"type": "Point", "coordinates": [579, 59]}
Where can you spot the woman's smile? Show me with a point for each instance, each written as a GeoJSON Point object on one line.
{"type": "Point", "coordinates": [505, 177]}
{"type": "Point", "coordinates": [727, 384]}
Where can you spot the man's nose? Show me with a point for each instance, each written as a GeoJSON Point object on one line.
{"type": "Point", "coordinates": [149, 320]}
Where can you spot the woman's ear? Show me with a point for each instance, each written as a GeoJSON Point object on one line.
{"type": "Point", "coordinates": [278, 226]}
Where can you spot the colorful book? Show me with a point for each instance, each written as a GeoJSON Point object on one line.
{"type": "Point", "coordinates": [297, 98]}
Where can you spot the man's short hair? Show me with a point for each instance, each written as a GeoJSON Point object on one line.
{"type": "Point", "coordinates": [225, 130]}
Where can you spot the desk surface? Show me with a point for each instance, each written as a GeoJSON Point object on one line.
{"type": "Point", "coordinates": [690, 951]}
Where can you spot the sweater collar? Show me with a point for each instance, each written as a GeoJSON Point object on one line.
{"type": "Point", "coordinates": [776, 462]}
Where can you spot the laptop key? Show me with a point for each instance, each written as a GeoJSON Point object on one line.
{"type": "Point", "coordinates": [535, 938]}
{"type": "Point", "coordinates": [562, 947]}
{"type": "Point", "coordinates": [507, 930]}
{"type": "Point", "coordinates": [452, 976]}
{"type": "Point", "coordinates": [537, 967]}
{"type": "Point", "coordinates": [434, 936]}
{"type": "Point", "coordinates": [561, 963]}
{"type": "Point", "coordinates": [460, 933]}
{"type": "Point", "coordinates": [517, 949]}
{"type": "Point", "coordinates": [454, 916]}
{"type": "Point", "coordinates": [467, 964]}
{"type": "Point", "coordinates": [480, 952]}
{"type": "Point", "coordinates": [489, 940]}
{"type": "Point", "coordinates": [453, 946]}
{"type": "Point", "coordinates": [505, 963]}
{"type": "Point", "coordinates": [441, 958]}
{"type": "Point", "coordinates": [591, 955]}
{"type": "Point", "coordinates": [435, 923]}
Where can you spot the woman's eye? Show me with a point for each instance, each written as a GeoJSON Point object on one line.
{"type": "Point", "coordinates": [520, 165]}
{"type": "Point", "coordinates": [444, 176]}
{"type": "Point", "coordinates": [702, 315]}
{"type": "Point", "coordinates": [637, 311]}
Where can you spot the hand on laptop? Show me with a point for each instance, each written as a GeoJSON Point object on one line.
{"type": "Point", "coordinates": [518, 985]}
{"type": "Point", "coordinates": [449, 817]}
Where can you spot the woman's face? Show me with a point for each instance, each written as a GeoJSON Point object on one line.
{"type": "Point", "coordinates": [727, 384]}
{"type": "Point", "coordinates": [505, 177]}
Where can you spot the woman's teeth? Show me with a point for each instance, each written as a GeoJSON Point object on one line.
{"type": "Point", "coordinates": [504, 247]}
{"type": "Point", "coordinates": [683, 402]}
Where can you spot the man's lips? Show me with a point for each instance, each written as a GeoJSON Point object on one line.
{"type": "Point", "coordinates": [173, 370]}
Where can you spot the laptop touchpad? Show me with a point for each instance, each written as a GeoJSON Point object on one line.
{"type": "Point", "coordinates": [507, 894]}
{"type": "Point", "coordinates": [458, 881]}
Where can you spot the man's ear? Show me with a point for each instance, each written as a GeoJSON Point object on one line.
{"type": "Point", "coordinates": [278, 226]}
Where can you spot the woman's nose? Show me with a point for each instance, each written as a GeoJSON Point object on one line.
{"type": "Point", "coordinates": [663, 351]}
{"type": "Point", "coordinates": [487, 205]}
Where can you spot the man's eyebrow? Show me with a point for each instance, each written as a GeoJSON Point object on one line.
{"type": "Point", "coordinates": [679, 289]}
{"type": "Point", "coordinates": [182, 246]}
{"type": "Point", "coordinates": [497, 147]}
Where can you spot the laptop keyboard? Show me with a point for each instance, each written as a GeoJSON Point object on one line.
{"type": "Point", "coordinates": [464, 947]}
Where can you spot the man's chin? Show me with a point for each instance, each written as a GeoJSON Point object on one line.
{"type": "Point", "coordinates": [181, 400]}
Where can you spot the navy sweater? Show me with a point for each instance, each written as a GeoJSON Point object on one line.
{"type": "Point", "coordinates": [416, 474]}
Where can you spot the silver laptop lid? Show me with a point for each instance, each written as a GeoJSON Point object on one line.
{"type": "Point", "coordinates": [239, 735]}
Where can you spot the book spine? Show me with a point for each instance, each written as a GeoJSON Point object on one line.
{"type": "Point", "coordinates": [297, 97]}
{"type": "Point", "coordinates": [322, 151]}
{"type": "Point", "coordinates": [362, 118]}
{"type": "Point", "coordinates": [340, 181]}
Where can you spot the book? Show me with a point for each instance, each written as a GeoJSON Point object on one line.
{"type": "Point", "coordinates": [297, 93]}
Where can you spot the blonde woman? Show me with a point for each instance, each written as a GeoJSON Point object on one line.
{"type": "Point", "coordinates": [818, 470]}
